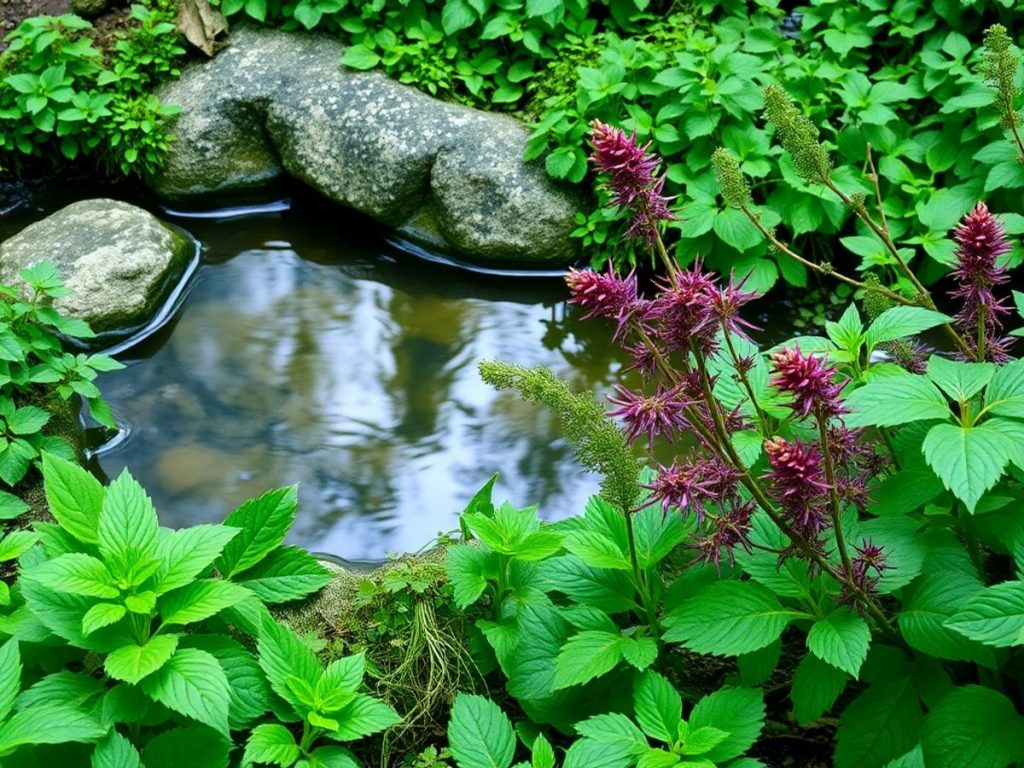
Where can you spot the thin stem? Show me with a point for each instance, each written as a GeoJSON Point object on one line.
{"type": "Point", "coordinates": [980, 354]}
{"type": "Point", "coordinates": [873, 175]}
{"type": "Point", "coordinates": [639, 577]}
{"type": "Point", "coordinates": [745, 380]}
{"type": "Point", "coordinates": [670, 263]}
{"type": "Point", "coordinates": [778, 244]}
{"type": "Point", "coordinates": [833, 494]}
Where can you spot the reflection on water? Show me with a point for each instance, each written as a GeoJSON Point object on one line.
{"type": "Point", "coordinates": [304, 355]}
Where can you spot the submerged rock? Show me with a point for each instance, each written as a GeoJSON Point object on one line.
{"type": "Point", "coordinates": [118, 262]}
{"type": "Point", "coordinates": [276, 103]}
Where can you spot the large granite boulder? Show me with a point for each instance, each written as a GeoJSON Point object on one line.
{"type": "Point", "coordinates": [118, 262]}
{"type": "Point", "coordinates": [277, 103]}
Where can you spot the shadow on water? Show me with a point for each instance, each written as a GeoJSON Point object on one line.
{"type": "Point", "coordinates": [311, 348]}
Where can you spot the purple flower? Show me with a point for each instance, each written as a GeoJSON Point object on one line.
{"type": "Point", "coordinates": [981, 240]}
{"type": "Point", "coordinates": [727, 531]}
{"type": "Point", "coordinates": [607, 295]}
{"type": "Point", "coordinates": [726, 304]}
{"type": "Point", "coordinates": [680, 486]}
{"type": "Point", "coordinates": [810, 381]}
{"type": "Point", "coordinates": [651, 415]}
{"type": "Point", "coordinates": [798, 484]}
{"type": "Point", "coordinates": [684, 310]}
{"type": "Point", "coordinates": [632, 179]}
{"type": "Point", "coordinates": [867, 565]}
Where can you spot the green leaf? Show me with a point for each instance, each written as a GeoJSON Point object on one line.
{"type": "Point", "coordinates": [364, 716]}
{"type": "Point", "coordinates": [900, 322]}
{"type": "Point", "coordinates": [457, 16]}
{"type": "Point", "coordinates": [287, 573]}
{"type": "Point", "coordinates": [11, 506]}
{"type": "Point", "coordinates": [48, 724]}
{"type": "Point", "coordinates": [961, 381]}
{"type": "Point", "coordinates": [271, 743]}
{"type": "Point", "coordinates": [193, 684]}
{"type": "Point", "coordinates": [560, 162]}
{"type": "Point", "coordinates": [658, 707]}
{"type": "Point", "coordinates": [542, 755]}
{"type": "Point", "coordinates": [132, 663]}
{"type": "Point", "coordinates": [360, 57]}
{"type": "Point", "coordinates": [734, 228]}
{"type": "Point", "coordinates": [77, 574]}
{"type": "Point", "coordinates": [282, 654]}
{"type": "Point", "coordinates": [469, 569]}
{"type": "Point", "coordinates": [896, 400]}
{"type": "Point", "coordinates": [10, 676]}
{"type": "Point", "coordinates": [640, 652]}
{"type": "Point", "coordinates": [587, 655]}
{"type": "Point", "coordinates": [200, 600]}
{"type": "Point", "coordinates": [841, 639]}
{"type": "Point", "coordinates": [263, 521]}
{"type": "Point", "coordinates": [188, 552]}
{"type": "Point", "coordinates": [28, 420]}
{"type": "Point", "coordinates": [968, 460]}
{"type": "Point", "coordinates": [102, 615]}
{"type": "Point", "coordinates": [127, 529]}
{"type": "Point", "coordinates": [757, 667]}
{"type": "Point", "coordinates": [250, 691]}
{"type": "Point", "coordinates": [585, 753]}
{"type": "Point", "coordinates": [596, 550]}
{"type": "Point", "coordinates": [994, 616]}
{"type": "Point", "coordinates": [74, 497]}
{"type": "Point", "coordinates": [739, 712]}
{"type": "Point", "coordinates": [816, 686]}
{"type": "Point", "coordinates": [881, 724]}
{"type": "Point", "coordinates": [973, 726]}
{"type": "Point", "coordinates": [728, 618]}
{"type": "Point", "coordinates": [541, 7]}
{"type": "Point", "coordinates": [479, 734]}
{"type": "Point", "coordinates": [115, 751]}
{"type": "Point", "coordinates": [15, 544]}
{"type": "Point", "coordinates": [615, 729]}
{"type": "Point", "coordinates": [1005, 393]}
{"type": "Point", "coordinates": [204, 747]}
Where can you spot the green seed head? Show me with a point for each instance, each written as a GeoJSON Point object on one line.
{"type": "Point", "coordinates": [1000, 71]}
{"type": "Point", "coordinates": [874, 302]}
{"type": "Point", "coordinates": [731, 181]}
{"type": "Point", "coordinates": [798, 136]}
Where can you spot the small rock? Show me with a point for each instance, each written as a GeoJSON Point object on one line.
{"type": "Point", "coordinates": [119, 262]}
{"type": "Point", "coordinates": [89, 7]}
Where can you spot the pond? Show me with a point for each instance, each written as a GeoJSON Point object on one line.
{"type": "Point", "coordinates": [312, 347]}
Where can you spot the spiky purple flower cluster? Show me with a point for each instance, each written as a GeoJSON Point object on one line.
{"type": "Point", "coordinates": [868, 565]}
{"type": "Point", "coordinates": [632, 179]}
{"type": "Point", "coordinates": [981, 240]}
{"type": "Point", "coordinates": [810, 382]}
{"type": "Point", "coordinates": [660, 414]}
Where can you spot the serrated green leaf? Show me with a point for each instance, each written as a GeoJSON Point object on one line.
{"type": "Point", "coordinates": [900, 322]}
{"type": "Point", "coordinates": [896, 400]}
{"type": "Point", "coordinates": [1005, 393]}
{"type": "Point", "coordinates": [74, 497]}
{"type": "Point", "coordinates": [816, 686]}
{"type": "Point", "coordinates": [193, 684]}
{"type": "Point", "coordinates": [263, 521]}
{"type": "Point", "coordinates": [840, 639]}
{"type": "Point", "coordinates": [968, 460]}
{"type": "Point", "coordinates": [187, 553]}
{"type": "Point", "coordinates": [881, 724]}
{"type": "Point", "coordinates": [658, 707]}
{"type": "Point", "coordinates": [287, 573]}
{"type": "Point", "coordinates": [37, 726]}
{"type": "Point", "coordinates": [10, 676]}
{"type": "Point", "coordinates": [973, 726]}
{"type": "Point", "coordinates": [283, 654]}
{"type": "Point", "coordinates": [132, 663]}
{"type": "Point", "coordinates": [363, 716]}
{"type": "Point", "coordinates": [960, 380]}
{"type": "Point", "coordinates": [479, 734]}
{"type": "Point", "coordinates": [738, 712]}
{"type": "Point", "coordinates": [200, 600]}
{"type": "Point", "coordinates": [115, 751]}
{"type": "Point", "coordinates": [587, 655]}
{"type": "Point", "coordinates": [993, 616]}
{"type": "Point", "coordinates": [271, 743]}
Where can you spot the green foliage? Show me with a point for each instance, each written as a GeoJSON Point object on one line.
{"type": "Point", "coordinates": [62, 97]}
{"type": "Point", "coordinates": [131, 640]}
{"type": "Point", "coordinates": [35, 370]}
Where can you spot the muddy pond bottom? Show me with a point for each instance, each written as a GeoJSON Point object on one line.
{"type": "Point", "coordinates": [311, 350]}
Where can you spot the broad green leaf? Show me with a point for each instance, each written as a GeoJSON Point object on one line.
{"type": "Point", "coordinates": [756, 667]}
{"type": "Point", "coordinates": [728, 618]}
{"type": "Point", "coordinates": [271, 743]}
{"type": "Point", "coordinates": [1005, 393]}
{"type": "Point", "coordinates": [993, 616]}
{"type": "Point", "coordinates": [587, 655]}
{"type": "Point", "coordinates": [640, 652]}
{"type": "Point", "coordinates": [841, 639]}
{"type": "Point", "coordinates": [340, 681]}
{"type": "Point", "coordinates": [102, 615]}
{"type": "Point", "coordinates": [10, 676]}
{"type": "Point", "coordinates": [204, 747]}
{"type": "Point", "coordinates": [738, 712]}
{"type": "Point", "coordinates": [287, 573]}
{"type": "Point", "coordinates": [127, 528]}
{"type": "Point", "coordinates": [193, 684]}
{"type": "Point", "coordinates": [283, 654]}
{"type": "Point", "coordinates": [77, 574]}
{"type": "Point", "coordinates": [961, 381]}
{"type": "Point", "coordinates": [968, 460]}
{"type": "Point", "coordinates": [609, 590]}
{"type": "Point", "coordinates": [15, 544]}
{"type": "Point", "coordinates": [542, 754]}
{"type": "Point", "coordinates": [188, 552]}
{"type": "Point", "coordinates": [930, 602]}
{"type": "Point", "coordinates": [881, 724]}
{"type": "Point", "coordinates": [816, 686]}
{"type": "Point", "coordinates": [115, 751]}
{"type": "Point", "coordinates": [74, 497]}
{"type": "Point", "coordinates": [469, 568]}
{"type": "Point", "coordinates": [11, 506]}
{"type": "Point", "coordinates": [658, 707]}
{"type": "Point", "coordinates": [363, 716]}
{"type": "Point", "coordinates": [973, 726]}
{"type": "Point", "coordinates": [900, 322]}
{"type": "Point", "coordinates": [68, 688]}
{"type": "Point", "coordinates": [479, 734]}
{"type": "Point", "coordinates": [616, 729]}
{"type": "Point", "coordinates": [250, 691]}
{"type": "Point", "coordinates": [585, 753]}
{"type": "Point", "coordinates": [132, 663]}
{"type": "Point", "coordinates": [263, 521]}
{"type": "Point", "coordinates": [200, 600]}
{"type": "Point", "coordinates": [48, 724]}
{"type": "Point", "coordinates": [896, 400]}
{"type": "Point", "coordinates": [597, 550]}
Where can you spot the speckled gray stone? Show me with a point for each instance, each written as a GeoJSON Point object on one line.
{"type": "Point", "coordinates": [277, 102]}
{"type": "Point", "coordinates": [119, 262]}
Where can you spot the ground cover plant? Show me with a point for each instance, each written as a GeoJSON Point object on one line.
{"type": "Point", "coordinates": [63, 95]}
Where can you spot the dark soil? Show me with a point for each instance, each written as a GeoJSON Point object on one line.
{"type": "Point", "coordinates": [12, 12]}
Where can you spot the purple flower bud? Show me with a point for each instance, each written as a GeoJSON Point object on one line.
{"type": "Point", "coordinates": [651, 415]}
{"type": "Point", "coordinates": [798, 484]}
{"type": "Point", "coordinates": [810, 381]}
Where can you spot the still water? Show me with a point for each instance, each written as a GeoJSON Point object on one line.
{"type": "Point", "coordinates": [309, 349]}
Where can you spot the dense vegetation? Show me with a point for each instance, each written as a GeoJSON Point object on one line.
{"type": "Point", "coordinates": [824, 536]}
